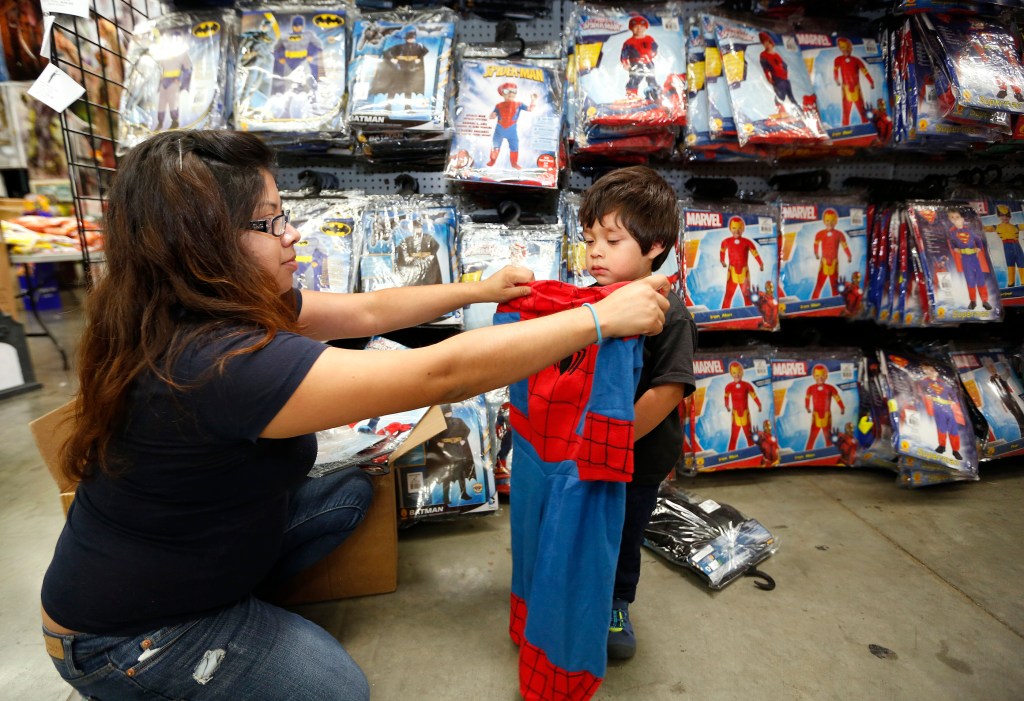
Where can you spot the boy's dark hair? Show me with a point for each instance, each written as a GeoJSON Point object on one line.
{"type": "Point", "coordinates": [646, 205]}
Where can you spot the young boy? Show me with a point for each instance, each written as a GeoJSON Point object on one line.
{"type": "Point", "coordinates": [630, 225]}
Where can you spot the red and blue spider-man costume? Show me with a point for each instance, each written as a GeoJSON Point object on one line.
{"type": "Point", "coordinates": [573, 441]}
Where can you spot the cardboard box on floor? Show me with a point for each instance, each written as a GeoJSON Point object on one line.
{"type": "Point", "coordinates": [366, 563]}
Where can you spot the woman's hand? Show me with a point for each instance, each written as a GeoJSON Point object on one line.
{"type": "Point", "coordinates": [635, 309]}
{"type": "Point", "coordinates": [507, 284]}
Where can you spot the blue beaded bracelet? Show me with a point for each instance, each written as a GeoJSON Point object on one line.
{"type": "Point", "coordinates": [596, 322]}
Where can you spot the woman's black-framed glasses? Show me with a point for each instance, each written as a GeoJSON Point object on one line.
{"type": "Point", "coordinates": [275, 226]}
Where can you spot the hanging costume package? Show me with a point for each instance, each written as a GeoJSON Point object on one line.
{"type": "Point", "coordinates": [574, 248]}
{"type": "Point", "coordinates": [451, 475]}
{"type": "Point", "coordinates": [328, 252]}
{"type": "Point", "coordinates": [848, 76]}
{"type": "Point", "coordinates": [721, 244]}
{"type": "Point", "coordinates": [955, 261]}
{"type": "Point", "coordinates": [498, 408]}
{"type": "Point", "coordinates": [933, 436]}
{"type": "Point", "coordinates": [731, 412]}
{"type": "Point", "coordinates": [508, 120]}
{"type": "Point", "coordinates": [409, 241]}
{"type": "Point", "coordinates": [874, 428]}
{"type": "Point", "coordinates": [399, 72]}
{"type": "Point", "coordinates": [712, 539]}
{"type": "Point", "coordinates": [993, 385]}
{"type": "Point", "coordinates": [772, 98]}
{"type": "Point", "coordinates": [630, 65]}
{"type": "Point", "coordinates": [817, 399]}
{"type": "Point", "coordinates": [486, 248]}
{"type": "Point", "coordinates": [878, 260]}
{"type": "Point", "coordinates": [829, 283]}
{"type": "Point", "coordinates": [721, 125]}
{"type": "Point", "coordinates": [179, 75]}
{"type": "Point", "coordinates": [573, 434]}
{"type": "Point", "coordinates": [290, 74]}
{"type": "Point", "coordinates": [1003, 221]}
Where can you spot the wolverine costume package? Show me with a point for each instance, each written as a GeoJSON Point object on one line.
{"type": "Point", "coordinates": [993, 385]}
{"type": "Point", "coordinates": [1002, 219]}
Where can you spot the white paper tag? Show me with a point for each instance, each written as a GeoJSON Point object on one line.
{"type": "Point", "coordinates": [44, 50]}
{"type": "Point", "coordinates": [709, 506]}
{"type": "Point", "coordinates": [55, 88]}
{"type": "Point", "coordinates": [78, 8]}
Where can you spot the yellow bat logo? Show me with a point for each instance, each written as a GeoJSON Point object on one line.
{"type": "Point", "coordinates": [336, 228]}
{"type": "Point", "coordinates": [206, 29]}
{"type": "Point", "coordinates": [329, 21]}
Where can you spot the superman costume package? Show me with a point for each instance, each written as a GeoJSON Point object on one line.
{"type": "Point", "coordinates": [572, 438]}
{"type": "Point", "coordinates": [848, 75]}
{"type": "Point", "coordinates": [508, 121]}
{"type": "Point", "coordinates": [770, 90]}
{"type": "Point", "coordinates": [486, 248]}
{"type": "Point", "coordinates": [179, 75]}
{"type": "Point", "coordinates": [630, 65]}
{"type": "Point", "coordinates": [712, 539]}
{"type": "Point", "coordinates": [932, 434]}
{"type": "Point", "coordinates": [451, 474]}
{"type": "Point", "coordinates": [409, 241]}
{"type": "Point", "coordinates": [955, 260]}
{"type": "Point", "coordinates": [817, 400]}
{"type": "Point", "coordinates": [399, 71]}
{"type": "Point", "coordinates": [1002, 219]}
{"type": "Point", "coordinates": [993, 385]}
{"type": "Point", "coordinates": [328, 252]}
{"type": "Point", "coordinates": [730, 265]}
{"type": "Point", "coordinates": [731, 415]}
{"type": "Point", "coordinates": [290, 74]}
{"type": "Point", "coordinates": [823, 256]}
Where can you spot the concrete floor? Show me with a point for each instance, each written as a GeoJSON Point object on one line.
{"type": "Point", "coordinates": [934, 576]}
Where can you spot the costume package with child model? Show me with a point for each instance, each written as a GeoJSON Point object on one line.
{"type": "Point", "coordinates": [451, 475]}
{"type": "Point", "coordinates": [874, 428]}
{"type": "Point", "coordinates": [328, 252]}
{"type": "Point", "coordinates": [848, 75]}
{"type": "Point", "coordinates": [574, 248]}
{"type": "Point", "coordinates": [409, 241]}
{"type": "Point", "coordinates": [823, 256]}
{"type": "Point", "coordinates": [179, 75]}
{"type": "Point", "coordinates": [817, 404]}
{"type": "Point", "coordinates": [996, 390]}
{"type": "Point", "coordinates": [290, 74]}
{"type": "Point", "coordinates": [731, 414]}
{"type": "Point", "coordinates": [630, 65]}
{"type": "Point", "coordinates": [730, 265]}
{"type": "Point", "coordinates": [399, 71]}
{"type": "Point", "coordinates": [955, 260]}
{"type": "Point", "coordinates": [508, 121]}
{"type": "Point", "coordinates": [930, 419]}
{"type": "Point", "coordinates": [486, 248]}
{"type": "Point", "coordinates": [772, 98]}
{"type": "Point", "coordinates": [1002, 220]}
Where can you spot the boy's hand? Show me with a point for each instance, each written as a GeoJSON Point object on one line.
{"type": "Point", "coordinates": [507, 284]}
{"type": "Point", "coordinates": [635, 309]}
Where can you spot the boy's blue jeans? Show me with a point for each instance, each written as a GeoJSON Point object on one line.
{"type": "Point", "coordinates": [252, 650]}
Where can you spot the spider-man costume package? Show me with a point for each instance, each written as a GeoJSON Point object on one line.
{"type": "Point", "coordinates": [955, 260]}
{"type": "Point", "coordinates": [290, 72]}
{"type": "Point", "coordinates": [486, 248]}
{"type": "Point", "coordinates": [498, 408]}
{"type": "Point", "coordinates": [996, 390]}
{"type": "Point", "coordinates": [712, 539]}
{"type": "Point", "coordinates": [450, 475]}
{"type": "Point", "coordinates": [730, 265]}
{"type": "Point", "coordinates": [399, 72]}
{"type": "Point", "coordinates": [730, 416]}
{"type": "Point", "coordinates": [930, 420]}
{"type": "Point", "coordinates": [630, 65]}
{"type": "Point", "coordinates": [823, 256]}
{"type": "Point", "coordinates": [769, 87]}
{"type": "Point", "coordinates": [817, 400]}
{"type": "Point", "coordinates": [179, 75]}
{"type": "Point", "coordinates": [328, 252]}
{"type": "Point", "coordinates": [1002, 219]}
{"type": "Point", "coordinates": [848, 75]}
{"type": "Point", "coordinates": [409, 241]}
{"type": "Point", "coordinates": [508, 122]}
{"type": "Point", "coordinates": [573, 438]}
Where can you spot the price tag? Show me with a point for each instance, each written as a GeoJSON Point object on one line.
{"type": "Point", "coordinates": [55, 88]}
{"type": "Point", "coordinates": [78, 8]}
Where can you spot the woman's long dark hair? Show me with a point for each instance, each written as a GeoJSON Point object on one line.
{"type": "Point", "coordinates": [173, 237]}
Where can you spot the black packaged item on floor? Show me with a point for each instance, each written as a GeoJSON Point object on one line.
{"type": "Point", "coordinates": [714, 540]}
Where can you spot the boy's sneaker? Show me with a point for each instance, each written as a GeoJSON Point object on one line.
{"type": "Point", "coordinates": [621, 640]}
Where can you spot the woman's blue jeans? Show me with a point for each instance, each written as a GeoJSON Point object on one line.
{"type": "Point", "coordinates": [253, 650]}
